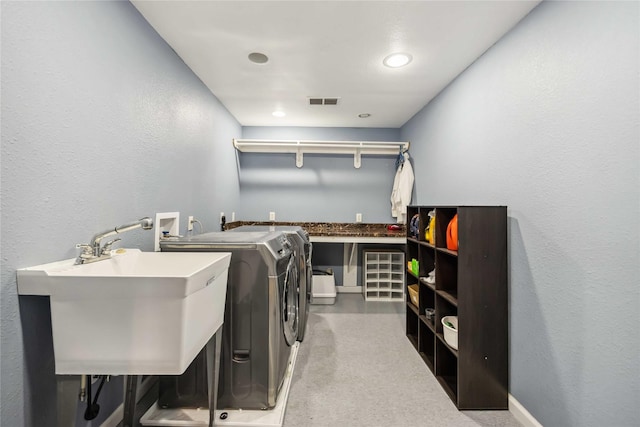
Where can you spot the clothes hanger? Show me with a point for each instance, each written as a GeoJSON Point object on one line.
{"type": "Point", "coordinates": [400, 158]}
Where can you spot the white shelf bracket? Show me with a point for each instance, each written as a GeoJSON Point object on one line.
{"type": "Point", "coordinates": [299, 158]}
{"type": "Point", "coordinates": [357, 159]}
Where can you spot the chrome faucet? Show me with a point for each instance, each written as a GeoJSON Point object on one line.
{"type": "Point", "coordinates": [95, 252]}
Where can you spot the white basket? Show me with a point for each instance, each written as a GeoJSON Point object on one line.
{"type": "Point", "coordinates": [450, 334]}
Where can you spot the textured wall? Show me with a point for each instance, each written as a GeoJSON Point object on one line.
{"type": "Point", "coordinates": [326, 188]}
{"type": "Point", "coordinates": [101, 124]}
{"type": "Point", "coordinates": [547, 122]}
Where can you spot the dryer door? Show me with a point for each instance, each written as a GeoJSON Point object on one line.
{"type": "Point", "coordinates": [289, 302]}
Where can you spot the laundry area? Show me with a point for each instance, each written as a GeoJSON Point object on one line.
{"type": "Point", "coordinates": [342, 345]}
{"type": "Point", "coordinates": [273, 286]}
{"type": "Point", "coordinates": [320, 213]}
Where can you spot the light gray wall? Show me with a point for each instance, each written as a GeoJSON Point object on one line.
{"type": "Point", "coordinates": [326, 188]}
{"type": "Point", "coordinates": [101, 124]}
{"type": "Point", "coordinates": [547, 122]}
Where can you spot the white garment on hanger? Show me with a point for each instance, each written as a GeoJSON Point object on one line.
{"type": "Point", "coordinates": [402, 188]}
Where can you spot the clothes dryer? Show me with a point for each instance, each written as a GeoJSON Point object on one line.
{"type": "Point", "coordinates": [261, 316]}
{"type": "Point", "coordinates": [303, 250]}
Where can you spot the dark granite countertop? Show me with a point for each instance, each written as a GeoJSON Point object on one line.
{"type": "Point", "coordinates": [333, 228]}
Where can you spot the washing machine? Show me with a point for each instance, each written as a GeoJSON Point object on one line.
{"type": "Point", "coordinates": [260, 323]}
{"type": "Point", "coordinates": [303, 249]}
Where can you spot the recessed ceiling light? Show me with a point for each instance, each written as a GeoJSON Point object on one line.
{"type": "Point", "coordinates": [396, 60]}
{"type": "Point", "coordinates": [279, 113]}
{"type": "Point", "coordinates": [258, 58]}
{"type": "Point", "coordinates": [364, 115]}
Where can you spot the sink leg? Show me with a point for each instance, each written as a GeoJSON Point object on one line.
{"type": "Point", "coordinates": [67, 387]}
{"type": "Point", "coordinates": [130, 400]}
{"type": "Point", "coordinates": [213, 348]}
{"type": "Point", "coordinates": [134, 388]}
{"type": "Point", "coordinates": [141, 392]}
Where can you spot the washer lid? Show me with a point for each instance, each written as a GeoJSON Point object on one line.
{"type": "Point", "coordinates": [219, 239]}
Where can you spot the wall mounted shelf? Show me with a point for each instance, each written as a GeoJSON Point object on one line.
{"type": "Point", "coordinates": [299, 147]}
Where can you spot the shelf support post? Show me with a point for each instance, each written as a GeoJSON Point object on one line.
{"type": "Point", "coordinates": [357, 161]}
{"type": "Point", "coordinates": [299, 158]}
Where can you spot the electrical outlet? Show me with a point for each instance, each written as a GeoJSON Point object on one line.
{"type": "Point", "coordinates": [272, 216]}
{"type": "Point", "coordinates": [221, 215]}
{"type": "Point", "coordinates": [358, 217]}
{"type": "Point", "coordinates": [190, 224]}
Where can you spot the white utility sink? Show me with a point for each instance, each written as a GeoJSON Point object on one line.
{"type": "Point", "coordinates": [142, 313]}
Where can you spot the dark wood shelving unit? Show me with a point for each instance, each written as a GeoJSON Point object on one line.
{"type": "Point", "coordinates": [447, 251]}
{"type": "Point", "coordinates": [428, 322]}
{"type": "Point", "coordinates": [451, 298]}
{"type": "Point", "coordinates": [413, 308]}
{"type": "Point", "coordinates": [470, 283]}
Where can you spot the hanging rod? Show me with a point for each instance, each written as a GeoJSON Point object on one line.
{"type": "Point", "coordinates": [299, 147]}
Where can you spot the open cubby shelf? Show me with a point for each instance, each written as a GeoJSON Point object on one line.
{"type": "Point", "coordinates": [384, 275]}
{"type": "Point", "coordinates": [470, 283]}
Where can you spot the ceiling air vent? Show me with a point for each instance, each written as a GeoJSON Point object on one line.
{"type": "Point", "coordinates": [323, 101]}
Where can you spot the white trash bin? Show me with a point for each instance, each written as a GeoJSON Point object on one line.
{"type": "Point", "coordinates": [323, 289]}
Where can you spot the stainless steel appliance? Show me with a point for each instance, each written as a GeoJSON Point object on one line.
{"type": "Point", "coordinates": [260, 325]}
{"type": "Point", "coordinates": [303, 250]}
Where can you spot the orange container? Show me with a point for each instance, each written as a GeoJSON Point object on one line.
{"type": "Point", "coordinates": [452, 234]}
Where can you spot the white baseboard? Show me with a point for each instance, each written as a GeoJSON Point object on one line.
{"type": "Point", "coordinates": [349, 289]}
{"type": "Point", "coordinates": [115, 417]}
{"type": "Point", "coordinates": [521, 414]}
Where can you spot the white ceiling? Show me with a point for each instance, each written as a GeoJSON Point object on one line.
{"type": "Point", "coordinates": [329, 49]}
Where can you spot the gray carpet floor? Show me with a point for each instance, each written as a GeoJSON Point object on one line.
{"type": "Point", "coordinates": [356, 368]}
